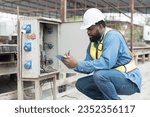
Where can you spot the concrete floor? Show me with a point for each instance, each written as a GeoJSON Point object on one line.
{"type": "Point", "coordinates": [144, 95]}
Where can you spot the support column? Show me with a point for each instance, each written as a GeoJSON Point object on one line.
{"type": "Point", "coordinates": [63, 10]}
{"type": "Point", "coordinates": [132, 26]}
{"type": "Point", "coordinates": [37, 90]}
{"type": "Point", "coordinates": [19, 67]}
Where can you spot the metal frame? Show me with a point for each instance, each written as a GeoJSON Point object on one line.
{"type": "Point", "coordinates": [38, 87]}
{"type": "Point", "coordinates": [53, 8]}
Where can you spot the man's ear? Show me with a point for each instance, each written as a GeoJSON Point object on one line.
{"type": "Point", "coordinates": [100, 27]}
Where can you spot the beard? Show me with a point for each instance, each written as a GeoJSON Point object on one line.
{"type": "Point", "coordinates": [96, 37]}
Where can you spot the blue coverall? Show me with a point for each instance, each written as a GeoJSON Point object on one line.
{"type": "Point", "coordinates": [107, 83]}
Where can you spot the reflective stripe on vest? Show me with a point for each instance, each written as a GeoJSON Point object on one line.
{"type": "Point", "coordinates": [96, 53]}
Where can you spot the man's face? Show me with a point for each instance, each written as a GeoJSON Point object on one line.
{"type": "Point", "coordinates": [94, 33]}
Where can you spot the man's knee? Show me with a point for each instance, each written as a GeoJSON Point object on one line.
{"type": "Point", "coordinates": [100, 75]}
{"type": "Point", "coordinates": [80, 83]}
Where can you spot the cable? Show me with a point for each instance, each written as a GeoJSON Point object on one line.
{"type": "Point", "coordinates": [70, 96]}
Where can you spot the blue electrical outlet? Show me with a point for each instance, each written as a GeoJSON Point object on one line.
{"type": "Point", "coordinates": [26, 28]}
{"type": "Point", "coordinates": [28, 64]}
{"type": "Point", "coordinates": [27, 46]}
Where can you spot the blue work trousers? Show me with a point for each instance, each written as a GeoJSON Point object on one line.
{"type": "Point", "coordinates": [106, 85]}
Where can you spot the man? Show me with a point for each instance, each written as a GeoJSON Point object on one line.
{"type": "Point", "coordinates": [108, 58]}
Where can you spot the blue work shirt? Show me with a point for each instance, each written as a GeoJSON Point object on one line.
{"type": "Point", "coordinates": [115, 53]}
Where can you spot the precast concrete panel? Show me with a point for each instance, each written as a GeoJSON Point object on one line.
{"type": "Point", "coordinates": [73, 39]}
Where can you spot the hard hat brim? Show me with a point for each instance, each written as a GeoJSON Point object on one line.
{"type": "Point", "coordinates": [84, 26]}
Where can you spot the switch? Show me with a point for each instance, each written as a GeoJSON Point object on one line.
{"type": "Point", "coordinates": [50, 46]}
{"type": "Point", "coordinates": [50, 61]}
{"type": "Point", "coordinates": [28, 64]}
{"type": "Point", "coordinates": [50, 30]}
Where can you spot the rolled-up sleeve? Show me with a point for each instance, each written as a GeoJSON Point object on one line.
{"type": "Point", "coordinates": [108, 58]}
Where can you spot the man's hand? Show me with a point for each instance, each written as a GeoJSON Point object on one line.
{"type": "Point", "coordinates": [69, 61]}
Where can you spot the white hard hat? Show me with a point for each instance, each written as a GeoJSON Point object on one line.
{"type": "Point", "coordinates": [90, 17]}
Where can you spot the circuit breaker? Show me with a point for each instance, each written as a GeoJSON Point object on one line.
{"type": "Point", "coordinates": [39, 46]}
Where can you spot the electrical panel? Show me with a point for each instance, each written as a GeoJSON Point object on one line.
{"type": "Point", "coordinates": [39, 46]}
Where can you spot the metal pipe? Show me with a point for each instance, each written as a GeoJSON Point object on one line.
{"type": "Point", "coordinates": [116, 8]}
{"type": "Point", "coordinates": [63, 10]}
{"type": "Point", "coordinates": [132, 26]}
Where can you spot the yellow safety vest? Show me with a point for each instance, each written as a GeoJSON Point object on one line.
{"type": "Point", "coordinates": [96, 53]}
